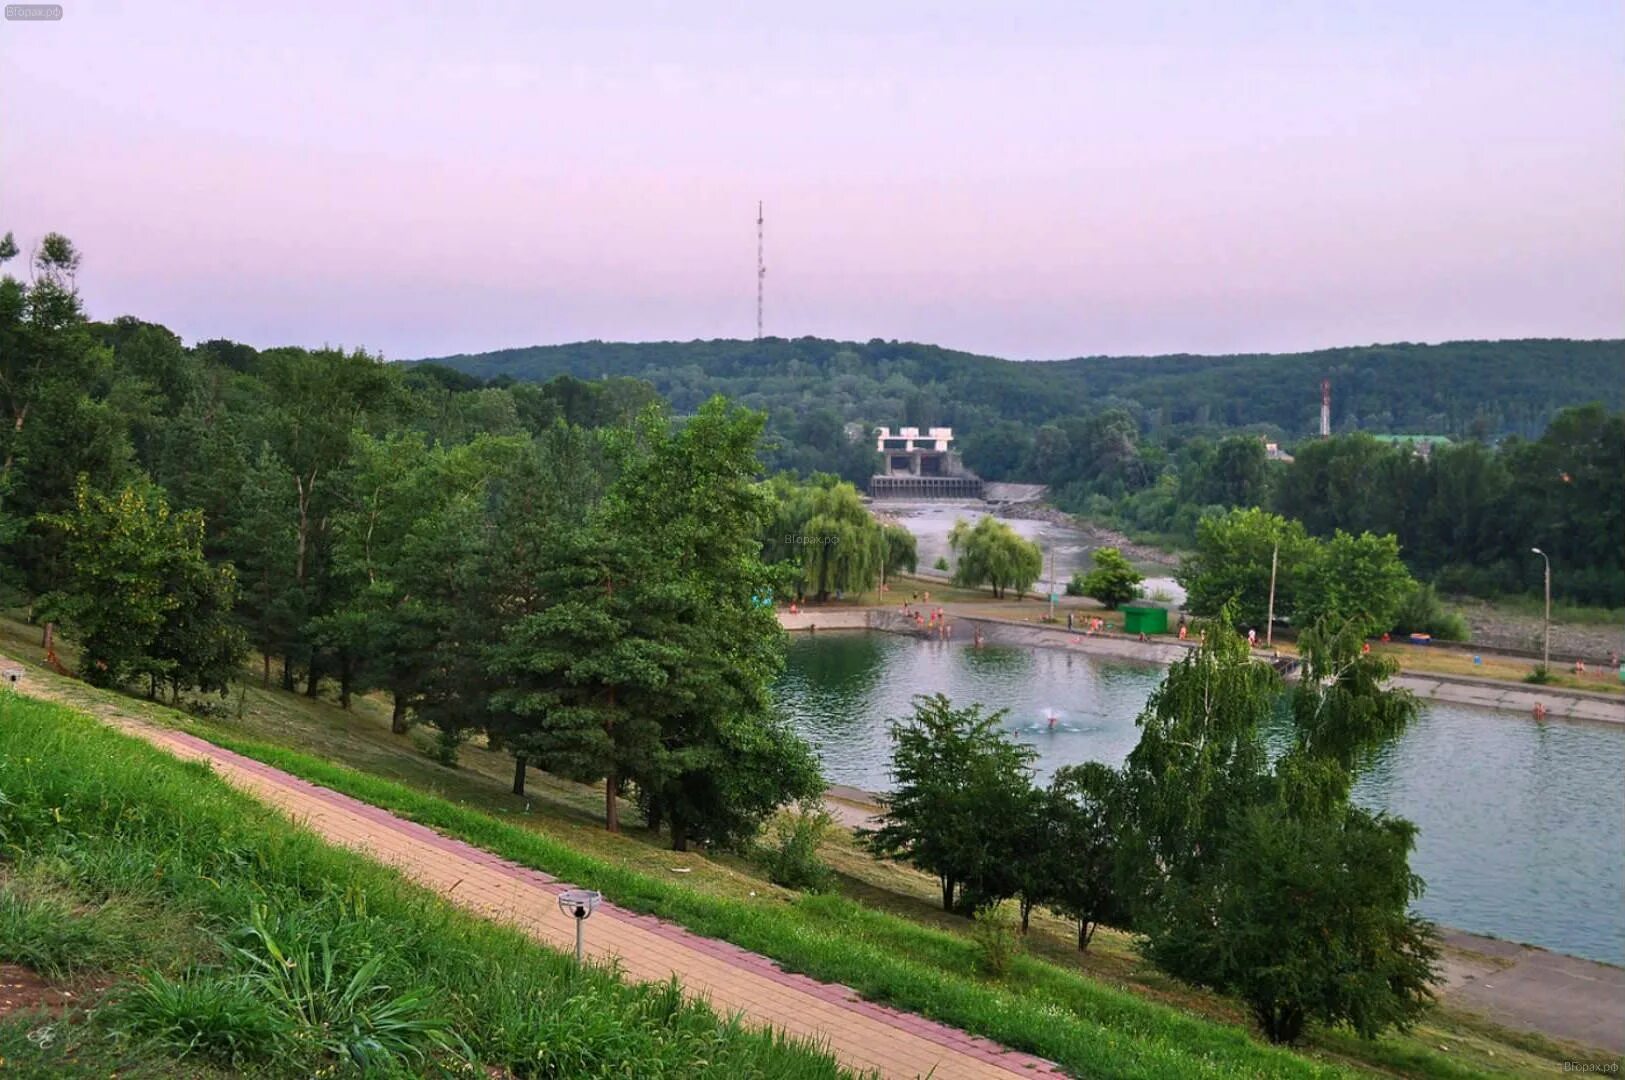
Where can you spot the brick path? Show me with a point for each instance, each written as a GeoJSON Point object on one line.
{"type": "Point", "coordinates": [863, 1035]}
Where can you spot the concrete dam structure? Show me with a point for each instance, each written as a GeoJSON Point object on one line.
{"type": "Point", "coordinates": [916, 466]}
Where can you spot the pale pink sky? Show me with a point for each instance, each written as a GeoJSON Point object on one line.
{"type": "Point", "coordinates": [1024, 179]}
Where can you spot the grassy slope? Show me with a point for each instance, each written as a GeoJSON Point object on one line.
{"type": "Point", "coordinates": [120, 859]}
{"type": "Point", "coordinates": [921, 958]}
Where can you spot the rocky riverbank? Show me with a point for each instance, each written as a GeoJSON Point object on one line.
{"type": "Point", "coordinates": [1094, 534]}
{"type": "Point", "coordinates": [1493, 628]}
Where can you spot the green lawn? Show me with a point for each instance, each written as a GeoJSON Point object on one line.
{"type": "Point", "coordinates": [222, 940]}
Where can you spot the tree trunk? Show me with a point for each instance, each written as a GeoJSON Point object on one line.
{"type": "Point", "coordinates": [287, 674]}
{"type": "Point", "coordinates": [679, 836]}
{"type": "Point", "coordinates": [1026, 915]}
{"type": "Point", "coordinates": [519, 774]}
{"type": "Point", "coordinates": [265, 668]}
{"type": "Point", "coordinates": [612, 811]}
{"type": "Point", "coordinates": [313, 679]}
{"type": "Point", "coordinates": [397, 716]}
{"type": "Point", "coordinates": [1282, 1021]}
{"type": "Point", "coordinates": [947, 893]}
{"type": "Point", "coordinates": [1086, 931]}
{"type": "Point", "coordinates": [346, 682]}
{"type": "Point", "coordinates": [50, 636]}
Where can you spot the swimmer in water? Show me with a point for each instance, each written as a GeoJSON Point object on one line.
{"type": "Point", "coordinates": [1051, 717]}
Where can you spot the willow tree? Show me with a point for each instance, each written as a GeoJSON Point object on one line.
{"type": "Point", "coordinates": [992, 553]}
{"type": "Point", "coordinates": [843, 547]}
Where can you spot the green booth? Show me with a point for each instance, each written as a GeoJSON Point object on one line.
{"type": "Point", "coordinates": [1144, 619]}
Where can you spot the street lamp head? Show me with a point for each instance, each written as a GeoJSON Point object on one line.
{"type": "Point", "coordinates": [579, 903]}
{"type": "Point", "coordinates": [1539, 552]}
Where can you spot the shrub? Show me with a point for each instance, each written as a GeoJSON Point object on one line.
{"type": "Point", "coordinates": [206, 710]}
{"type": "Point", "coordinates": [347, 1008]}
{"type": "Point", "coordinates": [941, 563]}
{"type": "Point", "coordinates": [792, 858]}
{"type": "Point", "coordinates": [994, 932]}
{"type": "Point", "coordinates": [1422, 612]}
{"type": "Point", "coordinates": [216, 1017]}
{"type": "Point", "coordinates": [442, 744]}
{"type": "Point", "coordinates": [1540, 676]}
{"type": "Point", "coordinates": [1113, 581]}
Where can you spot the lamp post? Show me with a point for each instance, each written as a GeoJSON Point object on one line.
{"type": "Point", "coordinates": [579, 904]}
{"type": "Point", "coordinates": [1052, 581]}
{"type": "Point", "coordinates": [1546, 650]}
{"type": "Point", "coordinates": [1269, 622]}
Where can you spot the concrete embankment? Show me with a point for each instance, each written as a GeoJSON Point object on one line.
{"type": "Point", "coordinates": [1559, 702]}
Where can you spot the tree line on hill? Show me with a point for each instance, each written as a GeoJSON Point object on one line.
{"type": "Point", "coordinates": [1147, 444]}
{"type": "Point", "coordinates": [1465, 514]}
{"type": "Point", "coordinates": [812, 386]}
{"type": "Point", "coordinates": [563, 568]}
{"type": "Point", "coordinates": [1243, 870]}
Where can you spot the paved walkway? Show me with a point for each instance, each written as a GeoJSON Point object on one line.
{"type": "Point", "coordinates": [863, 1035]}
{"type": "Point", "coordinates": [1524, 987]}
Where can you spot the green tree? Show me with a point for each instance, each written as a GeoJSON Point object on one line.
{"type": "Point", "coordinates": [198, 645]}
{"type": "Point", "coordinates": [961, 801]}
{"type": "Point", "coordinates": [725, 760]}
{"type": "Point", "coordinates": [408, 525]}
{"type": "Point", "coordinates": [1355, 578]}
{"type": "Point", "coordinates": [1237, 474]}
{"type": "Point", "coordinates": [1198, 761]}
{"type": "Point", "coordinates": [139, 597]}
{"type": "Point", "coordinates": [843, 547]}
{"type": "Point", "coordinates": [1113, 581]}
{"type": "Point", "coordinates": [992, 553]}
{"type": "Point", "coordinates": [261, 541]}
{"type": "Point", "coordinates": [1084, 803]}
{"type": "Point", "coordinates": [1231, 565]}
{"type": "Point", "coordinates": [1306, 918]}
{"type": "Point", "coordinates": [570, 656]}
{"type": "Point", "coordinates": [1266, 881]}
{"type": "Point", "coordinates": [55, 384]}
{"type": "Point", "coordinates": [902, 553]}
{"type": "Point", "coordinates": [318, 403]}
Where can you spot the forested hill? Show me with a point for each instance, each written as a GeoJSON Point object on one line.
{"type": "Point", "coordinates": [1485, 388]}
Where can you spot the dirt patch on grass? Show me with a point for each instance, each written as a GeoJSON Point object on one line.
{"type": "Point", "coordinates": [22, 990]}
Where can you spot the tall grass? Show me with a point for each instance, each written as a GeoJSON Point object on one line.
{"type": "Point", "coordinates": [277, 954]}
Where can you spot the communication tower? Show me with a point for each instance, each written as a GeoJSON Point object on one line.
{"type": "Point", "coordinates": [761, 270]}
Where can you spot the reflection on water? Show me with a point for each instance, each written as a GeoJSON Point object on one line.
{"type": "Point", "coordinates": [1522, 825]}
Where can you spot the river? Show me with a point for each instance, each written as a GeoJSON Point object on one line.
{"type": "Point", "coordinates": [1522, 824]}
{"type": "Point", "coordinates": [1066, 550]}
